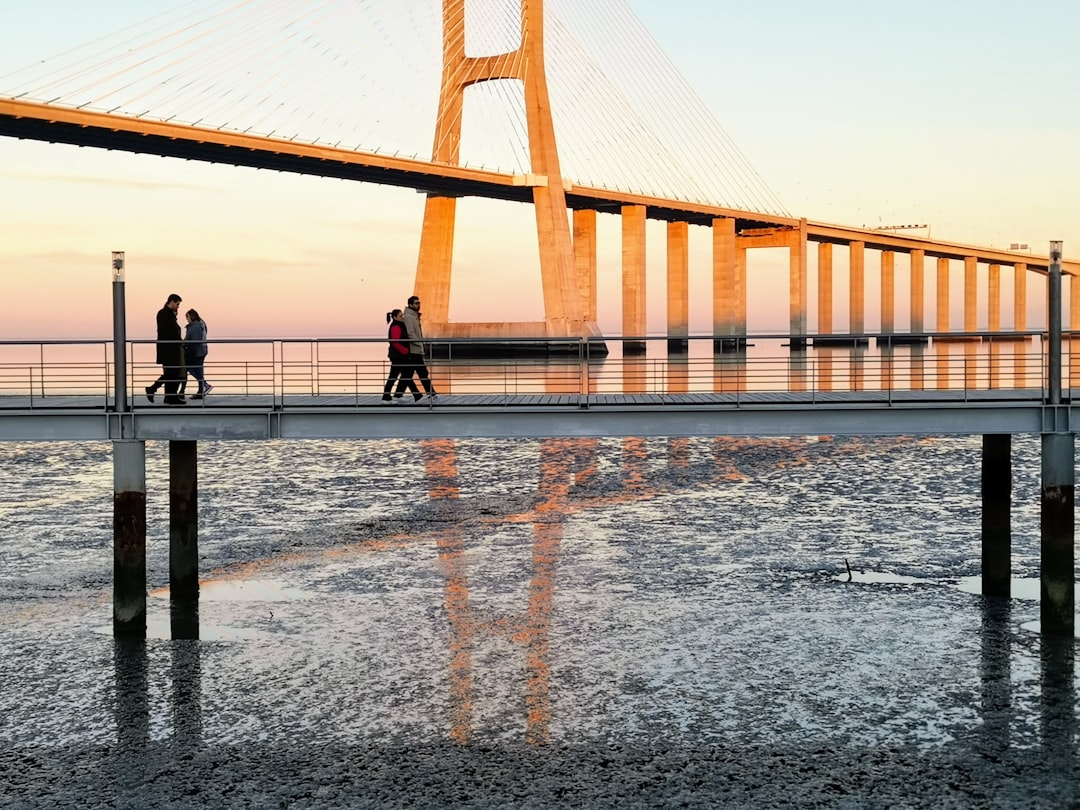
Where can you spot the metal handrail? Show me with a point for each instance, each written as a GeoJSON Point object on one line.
{"type": "Point", "coordinates": [41, 371]}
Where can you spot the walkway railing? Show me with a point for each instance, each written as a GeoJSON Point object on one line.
{"type": "Point", "coordinates": [352, 371]}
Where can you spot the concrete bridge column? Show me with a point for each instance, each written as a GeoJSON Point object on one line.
{"type": "Point", "coordinates": [740, 294]}
{"type": "Point", "coordinates": [129, 539]}
{"type": "Point", "coordinates": [633, 277]}
{"type": "Point", "coordinates": [726, 287]}
{"type": "Point", "coordinates": [1074, 303]}
{"type": "Point", "coordinates": [971, 293]}
{"type": "Point", "coordinates": [918, 290]}
{"type": "Point", "coordinates": [993, 318]}
{"type": "Point", "coordinates": [797, 286]}
{"type": "Point", "coordinates": [585, 259]}
{"type": "Point", "coordinates": [1020, 297]}
{"type": "Point", "coordinates": [183, 521]}
{"type": "Point", "coordinates": [678, 282]}
{"type": "Point", "coordinates": [436, 259]}
{"type": "Point", "coordinates": [996, 514]}
{"type": "Point", "coordinates": [942, 295]}
{"type": "Point", "coordinates": [1057, 611]}
{"type": "Point", "coordinates": [888, 292]}
{"type": "Point", "coordinates": [825, 289]}
{"type": "Point", "coordinates": [856, 289]}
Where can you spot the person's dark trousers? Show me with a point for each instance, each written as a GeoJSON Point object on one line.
{"type": "Point", "coordinates": [171, 377]}
{"type": "Point", "coordinates": [405, 375]}
{"type": "Point", "coordinates": [417, 362]}
{"type": "Point", "coordinates": [404, 372]}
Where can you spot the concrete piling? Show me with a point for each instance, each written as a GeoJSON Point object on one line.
{"type": "Point", "coordinates": [1057, 612]}
{"type": "Point", "coordinates": [129, 539]}
{"type": "Point", "coordinates": [183, 520]}
{"type": "Point", "coordinates": [996, 514]}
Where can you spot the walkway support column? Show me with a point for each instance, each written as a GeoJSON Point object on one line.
{"type": "Point", "coordinates": [678, 283]}
{"type": "Point", "coordinates": [183, 521]}
{"type": "Point", "coordinates": [1057, 608]}
{"type": "Point", "coordinates": [1057, 519]}
{"type": "Point", "coordinates": [996, 514]}
{"type": "Point", "coordinates": [633, 277]}
{"type": "Point", "coordinates": [129, 539]}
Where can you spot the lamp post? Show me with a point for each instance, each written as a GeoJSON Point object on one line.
{"type": "Point", "coordinates": [120, 403]}
{"type": "Point", "coordinates": [1054, 322]}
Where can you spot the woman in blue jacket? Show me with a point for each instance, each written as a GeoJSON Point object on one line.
{"type": "Point", "coordinates": [195, 351]}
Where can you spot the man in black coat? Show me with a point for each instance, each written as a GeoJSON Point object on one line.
{"type": "Point", "coordinates": [170, 353]}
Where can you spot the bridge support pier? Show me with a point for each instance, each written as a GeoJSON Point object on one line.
{"type": "Point", "coordinates": [129, 539]}
{"type": "Point", "coordinates": [183, 521]}
{"type": "Point", "coordinates": [1057, 606]}
{"type": "Point", "coordinates": [633, 278]}
{"type": "Point", "coordinates": [996, 514]}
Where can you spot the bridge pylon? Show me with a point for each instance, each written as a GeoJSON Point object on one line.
{"type": "Point", "coordinates": [564, 302]}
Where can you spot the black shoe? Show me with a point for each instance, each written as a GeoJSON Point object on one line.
{"type": "Point", "coordinates": [196, 396]}
{"type": "Point", "coordinates": [149, 392]}
{"type": "Point", "coordinates": [386, 397]}
{"type": "Point", "coordinates": [175, 401]}
{"type": "Point", "coordinates": [417, 397]}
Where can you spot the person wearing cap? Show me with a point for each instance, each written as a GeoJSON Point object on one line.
{"type": "Point", "coordinates": [170, 354]}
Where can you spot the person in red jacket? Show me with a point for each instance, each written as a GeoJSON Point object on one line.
{"type": "Point", "coordinates": [401, 369]}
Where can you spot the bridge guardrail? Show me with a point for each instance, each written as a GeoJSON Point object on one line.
{"type": "Point", "coordinates": [286, 372]}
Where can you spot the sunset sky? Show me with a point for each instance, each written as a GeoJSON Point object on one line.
{"type": "Point", "coordinates": [926, 113]}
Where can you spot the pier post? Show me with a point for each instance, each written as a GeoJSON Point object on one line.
{"type": "Point", "coordinates": [1057, 612]}
{"type": "Point", "coordinates": [183, 521]}
{"type": "Point", "coordinates": [997, 514]}
{"type": "Point", "coordinates": [129, 538]}
{"type": "Point", "coordinates": [1057, 520]}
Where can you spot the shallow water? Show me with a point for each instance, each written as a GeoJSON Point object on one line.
{"type": "Point", "coordinates": [565, 623]}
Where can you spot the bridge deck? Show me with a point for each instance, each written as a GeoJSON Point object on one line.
{"type": "Point", "coordinates": [266, 416]}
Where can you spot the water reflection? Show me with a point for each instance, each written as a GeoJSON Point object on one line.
{"type": "Point", "coordinates": [1058, 698]}
{"type": "Point", "coordinates": [995, 675]}
{"type": "Point", "coordinates": [131, 712]}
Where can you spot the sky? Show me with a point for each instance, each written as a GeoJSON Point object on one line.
{"type": "Point", "coordinates": [853, 112]}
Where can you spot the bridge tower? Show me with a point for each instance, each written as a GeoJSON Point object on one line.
{"type": "Point", "coordinates": [564, 304]}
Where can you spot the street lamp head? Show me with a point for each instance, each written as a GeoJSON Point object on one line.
{"type": "Point", "coordinates": [118, 265]}
{"type": "Point", "coordinates": [1055, 251]}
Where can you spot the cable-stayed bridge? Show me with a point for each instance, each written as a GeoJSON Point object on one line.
{"type": "Point", "coordinates": [568, 106]}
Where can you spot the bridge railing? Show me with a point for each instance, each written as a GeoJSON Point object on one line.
{"type": "Point", "coordinates": [284, 372]}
